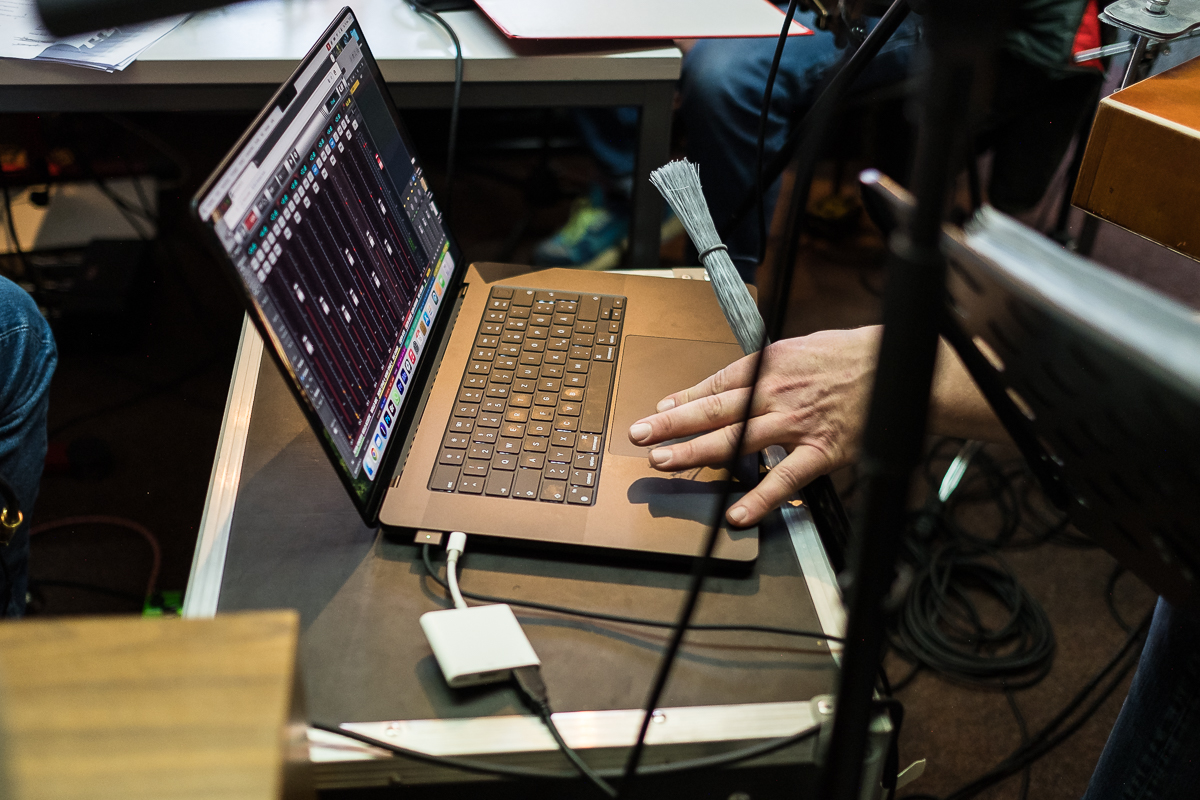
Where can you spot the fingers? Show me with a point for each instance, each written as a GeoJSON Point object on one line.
{"type": "Point", "coordinates": [801, 467]}
{"type": "Point", "coordinates": [704, 414]}
{"type": "Point", "coordinates": [737, 375]}
{"type": "Point", "coordinates": [715, 448]}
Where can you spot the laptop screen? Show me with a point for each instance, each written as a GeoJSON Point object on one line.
{"type": "Point", "coordinates": [326, 215]}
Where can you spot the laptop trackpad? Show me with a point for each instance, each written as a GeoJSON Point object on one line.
{"type": "Point", "coordinates": [653, 368]}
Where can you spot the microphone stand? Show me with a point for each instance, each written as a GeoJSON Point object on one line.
{"type": "Point", "coordinates": [810, 130]}
{"type": "Point", "coordinates": [812, 134]}
{"type": "Point", "coordinates": [963, 38]}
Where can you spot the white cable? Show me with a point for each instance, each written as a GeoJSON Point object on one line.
{"type": "Point", "coordinates": [454, 549]}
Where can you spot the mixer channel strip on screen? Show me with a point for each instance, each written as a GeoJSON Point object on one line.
{"type": "Point", "coordinates": [530, 416]}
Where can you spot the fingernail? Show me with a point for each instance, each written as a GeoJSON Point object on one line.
{"type": "Point", "coordinates": [660, 457]}
{"type": "Point", "coordinates": [639, 431]}
{"type": "Point", "coordinates": [737, 515]}
{"type": "Point", "coordinates": [664, 405]}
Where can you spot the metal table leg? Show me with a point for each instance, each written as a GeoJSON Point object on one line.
{"type": "Point", "coordinates": [654, 148]}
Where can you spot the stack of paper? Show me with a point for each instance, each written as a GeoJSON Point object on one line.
{"type": "Point", "coordinates": [22, 35]}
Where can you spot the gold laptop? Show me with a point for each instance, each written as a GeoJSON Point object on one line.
{"type": "Point", "coordinates": [483, 399]}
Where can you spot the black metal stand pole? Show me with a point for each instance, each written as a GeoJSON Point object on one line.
{"type": "Point", "coordinates": [962, 38]}
{"type": "Point", "coordinates": [810, 131]}
{"type": "Point", "coordinates": [813, 132]}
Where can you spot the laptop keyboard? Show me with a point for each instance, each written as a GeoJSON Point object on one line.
{"type": "Point", "coordinates": [529, 421]}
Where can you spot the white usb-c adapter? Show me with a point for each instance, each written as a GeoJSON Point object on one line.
{"type": "Point", "coordinates": [474, 645]}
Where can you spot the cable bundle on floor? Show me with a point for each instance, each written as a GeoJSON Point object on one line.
{"type": "Point", "coordinates": [1070, 719]}
{"type": "Point", "coordinates": [941, 626]}
{"type": "Point", "coordinates": [966, 616]}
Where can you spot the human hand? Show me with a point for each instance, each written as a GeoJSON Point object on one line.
{"type": "Point", "coordinates": [811, 399]}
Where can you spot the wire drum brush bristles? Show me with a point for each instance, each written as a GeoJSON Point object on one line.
{"type": "Point", "coordinates": [679, 184]}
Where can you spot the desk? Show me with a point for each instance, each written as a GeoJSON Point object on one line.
{"type": "Point", "coordinates": [278, 530]}
{"type": "Point", "coordinates": [233, 58]}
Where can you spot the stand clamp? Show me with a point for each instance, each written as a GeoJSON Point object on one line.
{"type": "Point", "coordinates": [1160, 20]}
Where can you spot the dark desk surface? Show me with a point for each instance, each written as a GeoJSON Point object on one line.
{"type": "Point", "coordinates": [295, 541]}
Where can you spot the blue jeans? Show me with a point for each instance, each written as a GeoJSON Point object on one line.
{"type": "Point", "coordinates": [1153, 752]}
{"type": "Point", "coordinates": [721, 92]}
{"type": "Point", "coordinates": [27, 360]}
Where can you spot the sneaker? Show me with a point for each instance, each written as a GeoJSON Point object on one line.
{"type": "Point", "coordinates": [593, 238]}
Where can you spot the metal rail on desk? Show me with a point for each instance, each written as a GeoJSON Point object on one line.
{"type": "Point", "coordinates": [212, 541]}
{"type": "Point", "coordinates": [677, 733]}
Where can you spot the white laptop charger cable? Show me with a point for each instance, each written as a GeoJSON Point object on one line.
{"type": "Point", "coordinates": [454, 549]}
{"type": "Point", "coordinates": [475, 645]}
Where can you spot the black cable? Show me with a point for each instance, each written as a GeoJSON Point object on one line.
{"type": "Point", "coordinates": [1047, 740]}
{"type": "Point", "coordinates": [700, 566]}
{"type": "Point", "coordinates": [89, 587]}
{"type": "Point", "coordinates": [488, 768]}
{"type": "Point", "coordinates": [1111, 601]}
{"type": "Point", "coordinates": [1023, 730]}
{"type": "Point", "coordinates": [156, 142]}
{"type": "Point", "coordinates": [940, 625]}
{"type": "Point", "coordinates": [844, 75]}
{"type": "Point", "coordinates": [1050, 737]}
{"type": "Point", "coordinates": [453, 762]}
{"type": "Point", "coordinates": [984, 482]}
{"type": "Point", "coordinates": [1131, 642]}
{"type": "Point", "coordinates": [128, 212]}
{"type": "Point", "coordinates": [139, 397]}
{"type": "Point", "coordinates": [533, 688]}
{"type": "Point", "coordinates": [618, 618]}
{"type": "Point", "coordinates": [452, 145]}
{"type": "Point", "coordinates": [907, 679]}
{"type": "Point", "coordinates": [763, 118]}
{"type": "Point", "coordinates": [816, 123]}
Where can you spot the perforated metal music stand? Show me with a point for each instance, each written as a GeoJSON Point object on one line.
{"type": "Point", "coordinates": [1095, 377]}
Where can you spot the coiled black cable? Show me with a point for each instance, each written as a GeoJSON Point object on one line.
{"type": "Point", "coordinates": [940, 624]}
{"type": "Point", "coordinates": [958, 571]}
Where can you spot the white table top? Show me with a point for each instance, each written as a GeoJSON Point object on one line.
{"type": "Point", "coordinates": [262, 41]}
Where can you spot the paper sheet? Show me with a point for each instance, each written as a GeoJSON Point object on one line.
{"type": "Point", "coordinates": [23, 36]}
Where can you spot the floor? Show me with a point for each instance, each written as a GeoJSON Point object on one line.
{"type": "Point", "coordinates": [134, 429]}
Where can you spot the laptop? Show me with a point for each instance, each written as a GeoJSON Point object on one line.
{"type": "Point", "coordinates": [484, 398]}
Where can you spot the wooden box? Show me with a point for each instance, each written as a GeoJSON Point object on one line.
{"type": "Point", "coordinates": [131, 708]}
{"type": "Point", "coordinates": [1141, 166]}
